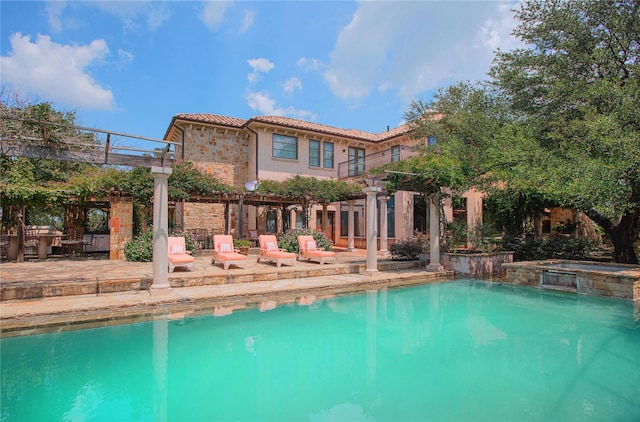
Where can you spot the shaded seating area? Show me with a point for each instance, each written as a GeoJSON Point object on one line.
{"type": "Point", "coordinates": [37, 242]}
{"type": "Point", "coordinates": [269, 250]}
{"type": "Point", "coordinates": [71, 245]}
{"type": "Point", "coordinates": [310, 251]}
{"type": "Point", "coordinates": [224, 253]}
{"type": "Point", "coordinates": [178, 254]}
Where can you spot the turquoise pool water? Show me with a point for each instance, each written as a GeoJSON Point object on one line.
{"type": "Point", "coordinates": [456, 351]}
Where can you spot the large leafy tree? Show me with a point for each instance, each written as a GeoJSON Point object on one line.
{"type": "Point", "coordinates": [559, 119]}
{"type": "Point", "coordinates": [577, 90]}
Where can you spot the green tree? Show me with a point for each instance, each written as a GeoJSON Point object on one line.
{"type": "Point", "coordinates": [310, 190]}
{"type": "Point", "coordinates": [577, 90]}
{"type": "Point", "coordinates": [559, 120]}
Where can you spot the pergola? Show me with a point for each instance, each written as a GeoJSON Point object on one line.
{"type": "Point", "coordinates": [24, 137]}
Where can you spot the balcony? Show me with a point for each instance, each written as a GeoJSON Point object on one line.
{"type": "Point", "coordinates": [359, 167]}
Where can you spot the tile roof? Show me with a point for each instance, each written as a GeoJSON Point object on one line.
{"type": "Point", "coordinates": [215, 119]}
{"type": "Point", "coordinates": [294, 124]}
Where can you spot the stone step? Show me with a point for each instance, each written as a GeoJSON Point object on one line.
{"type": "Point", "coordinates": [27, 289]}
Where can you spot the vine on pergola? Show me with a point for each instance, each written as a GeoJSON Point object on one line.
{"type": "Point", "coordinates": [311, 190]}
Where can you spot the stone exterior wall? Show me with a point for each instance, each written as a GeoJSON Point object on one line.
{"type": "Point", "coordinates": [225, 155]}
{"type": "Point", "coordinates": [120, 228]}
{"type": "Point", "coordinates": [478, 265]}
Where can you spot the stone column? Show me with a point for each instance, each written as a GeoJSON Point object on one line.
{"type": "Point", "coordinates": [372, 244]}
{"type": "Point", "coordinates": [351, 229]}
{"type": "Point", "coordinates": [434, 236]}
{"type": "Point", "coordinates": [384, 231]}
{"type": "Point", "coordinates": [279, 220]}
{"type": "Point", "coordinates": [160, 282]}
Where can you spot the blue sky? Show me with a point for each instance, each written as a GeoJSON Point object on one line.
{"type": "Point", "coordinates": [131, 66]}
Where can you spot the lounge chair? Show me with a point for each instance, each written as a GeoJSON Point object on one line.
{"type": "Point", "coordinates": [225, 253]}
{"type": "Point", "coordinates": [178, 254]}
{"type": "Point", "coordinates": [269, 250]}
{"type": "Point", "coordinates": [310, 251]}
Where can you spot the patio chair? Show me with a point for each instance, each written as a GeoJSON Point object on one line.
{"type": "Point", "coordinates": [31, 241]}
{"type": "Point", "coordinates": [225, 253]}
{"type": "Point", "coordinates": [269, 250]}
{"type": "Point", "coordinates": [178, 254]}
{"type": "Point", "coordinates": [310, 251]}
{"type": "Point", "coordinates": [253, 237]}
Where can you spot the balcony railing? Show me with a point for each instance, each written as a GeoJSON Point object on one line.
{"type": "Point", "coordinates": [359, 167]}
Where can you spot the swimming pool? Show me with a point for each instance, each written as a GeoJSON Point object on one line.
{"type": "Point", "coordinates": [461, 350]}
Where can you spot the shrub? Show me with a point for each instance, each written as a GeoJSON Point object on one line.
{"type": "Point", "coordinates": [548, 248]}
{"type": "Point", "coordinates": [240, 243]}
{"type": "Point", "coordinates": [289, 240]}
{"type": "Point", "coordinates": [406, 250]}
{"type": "Point", "coordinates": [454, 236]}
{"type": "Point", "coordinates": [140, 248]}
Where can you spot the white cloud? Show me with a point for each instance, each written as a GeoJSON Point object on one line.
{"type": "Point", "coordinates": [412, 47]}
{"type": "Point", "coordinates": [213, 13]}
{"type": "Point", "coordinates": [247, 20]}
{"type": "Point", "coordinates": [157, 15]}
{"type": "Point", "coordinates": [291, 84]}
{"type": "Point", "coordinates": [56, 72]}
{"type": "Point", "coordinates": [261, 65]}
{"type": "Point", "coordinates": [307, 64]}
{"type": "Point", "coordinates": [125, 57]}
{"type": "Point", "coordinates": [54, 11]}
{"type": "Point", "coordinates": [129, 12]}
{"type": "Point", "coordinates": [265, 105]}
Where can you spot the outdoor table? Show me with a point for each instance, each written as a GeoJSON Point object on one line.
{"type": "Point", "coordinates": [44, 240]}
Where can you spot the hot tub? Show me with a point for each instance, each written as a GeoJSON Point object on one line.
{"type": "Point", "coordinates": [594, 278]}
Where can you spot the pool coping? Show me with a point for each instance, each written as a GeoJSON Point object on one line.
{"type": "Point", "coordinates": [28, 317]}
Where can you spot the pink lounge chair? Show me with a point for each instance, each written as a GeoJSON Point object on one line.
{"type": "Point", "coordinates": [269, 250]}
{"type": "Point", "coordinates": [309, 250]}
{"type": "Point", "coordinates": [225, 253]}
{"type": "Point", "coordinates": [178, 254]}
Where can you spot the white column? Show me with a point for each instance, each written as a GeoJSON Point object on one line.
{"type": "Point", "coordinates": [160, 282]}
{"type": "Point", "coordinates": [325, 219]}
{"type": "Point", "coordinates": [292, 218]}
{"type": "Point", "coordinates": [384, 231]}
{"type": "Point", "coordinates": [372, 247]}
{"type": "Point", "coordinates": [434, 234]}
{"type": "Point", "coordinates": [351, 229]}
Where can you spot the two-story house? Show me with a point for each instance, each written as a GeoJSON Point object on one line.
{"type": "Point", "coordinates": [237, 151]}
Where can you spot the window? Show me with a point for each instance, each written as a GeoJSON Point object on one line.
{"type": "Point", "coordinates": [344, 222]}
{"type": "Point", "coordinates": [356, 161]}
{"type": "Point", "coordinates": [285, 146]}
{"type": "Point", "coordinates": [327, 155]}
{"type": "Point", "coordinates": [272, 221]}
{"type": "Point", "coordinates": [395, 153]}
{"type": "Point", "coordinates": [314, 153]}
{"type": "Point", "coordinates": [96, 221]}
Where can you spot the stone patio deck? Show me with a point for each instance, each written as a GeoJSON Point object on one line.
{"type": "Point", "coordinates": [61, 294]}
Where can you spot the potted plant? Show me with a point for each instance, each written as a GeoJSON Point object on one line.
{"type": "Point", "coordinates": [243, 245]}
